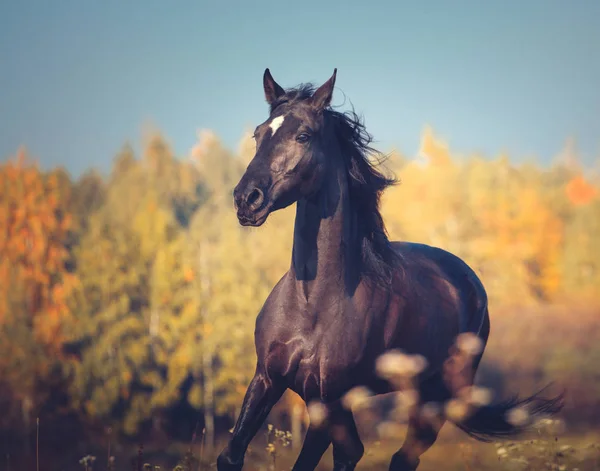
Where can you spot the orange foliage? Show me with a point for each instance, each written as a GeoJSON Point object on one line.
{"type": "Point", "coordinates": [33, 231]}
{"type": "Point", "coordinates": [579, 191]}
{"type": "Point", "coordinates": [188, 274]}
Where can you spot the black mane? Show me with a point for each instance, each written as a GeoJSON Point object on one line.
{"type": "Point", "coordinates": [366, 184]}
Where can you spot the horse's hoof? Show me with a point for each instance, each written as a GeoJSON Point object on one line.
{"type": "Point", "coordinates": [224, 463]}
{"type": "Point", "coordinates": [400, 462]}
{"type": "Point", "coordinates": [343, 466]}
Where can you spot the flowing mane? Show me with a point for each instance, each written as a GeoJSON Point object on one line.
{"type": "Point", "coordinates": [366, 184]}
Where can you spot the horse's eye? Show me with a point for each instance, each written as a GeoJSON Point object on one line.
{"type": "Point", "coordinates": [302, 138]}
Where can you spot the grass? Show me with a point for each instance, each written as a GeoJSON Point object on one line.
{"type": "Point", "coordinates": [453, 452]}
{"type": "Point", "coordinates": [545, 449]}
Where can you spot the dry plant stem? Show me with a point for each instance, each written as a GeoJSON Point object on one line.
{"type": "Point", "coordinates": [108, 451]}
{"type": "Point", "coordinates": [202, 443]}
{"type": "Point", "coordinates": [193, 437]}
{"type": "Point", "coordinates": [37, 444]}
{"type": "Point", "coordinates": [140, 460]}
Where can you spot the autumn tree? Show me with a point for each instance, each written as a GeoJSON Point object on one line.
{"type": "Point", "coordinates": [35, 282]}
{"type": "Point", "coordinates": [147, 288]}
{"type": "Point", "coordinates": [121, 261]}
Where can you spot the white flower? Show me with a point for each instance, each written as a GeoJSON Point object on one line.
{"type": "Point", "coordinates": [469, 343]}
{"type": "Point", "coordinates": [356, 397]}
{"type": "Point", "coordinates": [517, 416]}
{"type": "Point", "coordinates": [476, 395]}
{"type": "Point", "coordinates": [456, 410]}
{"type": "Point", "coordinates": [395, 363]}
{"type": "Point", "coordinates": [317, 412]}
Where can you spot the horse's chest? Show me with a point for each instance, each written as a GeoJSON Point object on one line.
{"type": "Point", "coordinates": [326, 367]}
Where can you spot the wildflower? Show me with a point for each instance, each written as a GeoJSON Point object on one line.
{"type": "Point", "coordinates": [356, 397]}
{"type": "Point", "coordinates": [419, 363]}
{"type": "Point", "coordinates": [395, 363]}
{"type": "Point", "coordinates": [317, 413]}
{"type": "Point", "coordinates": [469, 343]}
{"type": "Point", "coordinates": [480, 396]}
{"type": "Point", "coordinates": [517, 416]}
{"type": "Point", "coordinates": [456, 410]}
{"type": "Point", "coordinates": [408, 398]}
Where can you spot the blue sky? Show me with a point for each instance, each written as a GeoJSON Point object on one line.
{"type": "Point", "coordinates": [80, 77]}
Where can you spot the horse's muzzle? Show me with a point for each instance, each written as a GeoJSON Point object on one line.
{"type": "Point", "coordinates": [251, 204]}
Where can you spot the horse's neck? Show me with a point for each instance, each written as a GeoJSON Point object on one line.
{"type": "Point", "coordinates": [326, 248]}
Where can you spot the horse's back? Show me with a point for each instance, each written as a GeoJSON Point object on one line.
{"type": "Point", "coordinates": [443, 294]}
{"type": "Point", "coordinates": [451, 266]}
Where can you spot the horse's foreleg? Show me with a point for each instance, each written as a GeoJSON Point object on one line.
{"type": "Point", "coordinates": [315, 444]}
{"type": "Point", "coordinates": [262, 394]}
{"type": "Point", "coordinates": [339, 429]}
{"type": "Point", "coordinates": [421, 435]}
{"type": "Point", "coordinates": [347, 445]}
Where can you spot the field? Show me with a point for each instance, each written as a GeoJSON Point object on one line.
{"type": "Point", "coordinates": [518, 360]}
{"type": "Point", "coordinates": [542, 450]}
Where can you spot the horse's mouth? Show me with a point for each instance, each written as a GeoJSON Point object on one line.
{"type": "Point", "coordinates": [255, 219]}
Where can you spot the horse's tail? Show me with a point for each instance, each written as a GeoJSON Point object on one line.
{"type": "Point", "coordinates": [499, 420]}
{"type": "Point", "coordinates": [513, 416]}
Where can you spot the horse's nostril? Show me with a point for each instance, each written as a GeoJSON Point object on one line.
{"type": "Point", "coordinates": [255, 198]}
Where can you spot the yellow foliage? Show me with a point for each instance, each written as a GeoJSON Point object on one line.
{"type": "Point", "coordinates": [207, 329]}
{"type": "Point", "coordinates": [434, 149]}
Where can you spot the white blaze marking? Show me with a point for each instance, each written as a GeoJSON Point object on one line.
{"type": "Point", "coordinates": [276, 124]}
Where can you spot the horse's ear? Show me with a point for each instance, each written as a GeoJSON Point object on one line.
{"type": "Point", "coordinates": [272, 88]}
{"type": "Point", "coordinates": [322, 97]}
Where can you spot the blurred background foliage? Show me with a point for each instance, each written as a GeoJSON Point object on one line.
{"type": "Point", "coordinates": [128, 300]}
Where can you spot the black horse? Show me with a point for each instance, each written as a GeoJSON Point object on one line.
{"type": "Point", "coordinates": [351, 295]}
